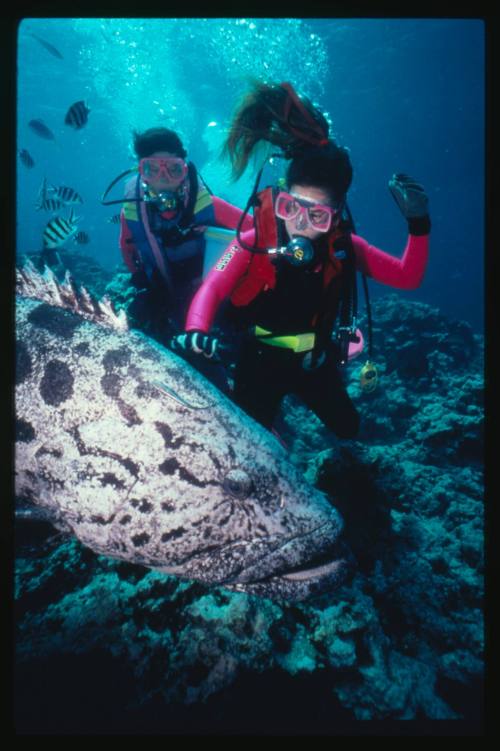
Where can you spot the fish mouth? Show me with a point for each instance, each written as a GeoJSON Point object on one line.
{"type": "Point", "coordinates": [292, 569]}
{"type": "Point", "coordinates": [321, 571]}
{"type": "Point", "coordinates": [316, 568]}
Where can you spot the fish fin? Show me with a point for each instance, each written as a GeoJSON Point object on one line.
{"type": "Point", "coordinates": [29, 512]}
{"type": "Point", "coordinates": [72, 218]}
{"type": "Point", "coordinates": [42, 190]}
{"type": "Point", "coordinates": [38, 530]}
{"type": "Point", "coordinates": [46, 288]}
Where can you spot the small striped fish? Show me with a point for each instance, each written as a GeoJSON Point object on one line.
{"type": "Point", "coordinates": [77, 115]}
{"type": "Point", "coordinates": [65, 194]}
{"type": "Point", "coordinates": [82, 238]}
{"type": "Point", "coordinates": [49, 204]}
{"type": "Point", "coordinates": [44, 202]}
{"type": "Point", "coordinates": [115, 219]}
{"type": "Point", "coordinates": [59, 230]}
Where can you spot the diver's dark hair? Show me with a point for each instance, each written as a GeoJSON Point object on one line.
{"type": "Point", "coordinates": [327, 167]}
{"type": "Point", "coordinates": [276, 114]}
{"type": "Point", "coordinates": [157, 139]}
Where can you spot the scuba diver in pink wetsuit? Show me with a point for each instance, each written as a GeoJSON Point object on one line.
{"type": "Point", "coordinates": [290, 280]}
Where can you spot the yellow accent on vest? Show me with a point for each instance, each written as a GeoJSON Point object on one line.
{"type": "Point", "coordinates": [295, 342]}
{"type": "Point", "coordinates": [130, 211]}
{"type": "Point", "coordinates": [203, 199]}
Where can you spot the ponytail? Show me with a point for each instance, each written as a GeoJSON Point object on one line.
{"type": "Point", "coordinates": [275, 114]}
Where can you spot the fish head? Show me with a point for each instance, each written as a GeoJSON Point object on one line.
{"type": "Point", "coordinates": [228, 508]}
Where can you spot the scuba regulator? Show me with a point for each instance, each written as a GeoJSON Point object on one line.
{"type": "Point", "coordinates": [165, 200]}
{"type": "Point", "coordinates": [298, 252]}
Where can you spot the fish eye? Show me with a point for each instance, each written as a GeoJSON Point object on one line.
{"type": "Point", "coordinates": [238, 483]}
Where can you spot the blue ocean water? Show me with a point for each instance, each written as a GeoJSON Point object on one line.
{"type": "Point", "coordinates": [404, 95]}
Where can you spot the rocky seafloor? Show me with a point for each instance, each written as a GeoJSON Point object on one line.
{"type": "Point", "coordinates": [106, 646]}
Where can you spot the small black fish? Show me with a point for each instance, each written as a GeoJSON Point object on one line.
{"type": "Point", "coordinates": [49, 47]}
{"type": "Point", "coordinates": [65, 194]}
{"type": "Point", "coordinates": [26, 158]}
{"type": "Point", "coordinates": [41, 129]}
{"type": "Point", "coordinates": [82, 238]}
{"type": "Point", "coordinates": [115, 219]}
{"type": "Point", "coordinates": [77, 115]}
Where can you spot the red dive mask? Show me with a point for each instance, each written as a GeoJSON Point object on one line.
{"type": "Point", "coordinates": [290, 206]}
{"type": "Point", "coordinates": [169, 168]}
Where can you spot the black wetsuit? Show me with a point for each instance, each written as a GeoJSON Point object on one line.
{"type": "Point", "coordinates": [265, 373]}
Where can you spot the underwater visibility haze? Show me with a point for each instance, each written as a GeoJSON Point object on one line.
{"type": "Point", "coordinates": [399, 636]}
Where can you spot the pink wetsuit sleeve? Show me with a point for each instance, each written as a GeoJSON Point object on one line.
{"type": "Point", "coordinates": [219, 284]}
{"type": "Point", "coordinates": [127, 247]}
{"type": "Point", "coordinates": [227, 215]}
{"type": "Point", "coordinates": [403, 273]}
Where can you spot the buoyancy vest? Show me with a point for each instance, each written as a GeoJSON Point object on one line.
{"type": "Point", "coordinates": [153, 252]}
{"type": "Point", "coordinates": [261, 272]}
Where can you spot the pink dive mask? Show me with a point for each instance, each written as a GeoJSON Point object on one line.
{"type": "Point", "coordinates": [289, 206]}
{"type": "Point", "coordinates": [170, 168]}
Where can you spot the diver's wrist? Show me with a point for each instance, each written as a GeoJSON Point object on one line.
{"type": "Point", "coordinates": [419, 225]}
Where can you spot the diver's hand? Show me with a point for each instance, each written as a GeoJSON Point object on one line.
{"type": "Point", "coordinates": [409, 196]}
{"type": "Point", "coordinates": [197, 342]}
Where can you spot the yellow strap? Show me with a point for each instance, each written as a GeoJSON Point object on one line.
{"type": "Point", "coordinates": [203, 199]}
{"type": "Point", "coordinates": [130, 211]}
{"type": "Point", "coordinates": [295, 342]}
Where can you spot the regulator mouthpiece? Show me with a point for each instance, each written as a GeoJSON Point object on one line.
{"type": "Point", "coordinates": [298, 252]}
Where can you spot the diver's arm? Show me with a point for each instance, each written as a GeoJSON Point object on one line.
{"type": "Point", "coordinates": [220, 283]}
{"type": "Point", "coordinates": [403, 273]}
{"type": "Point", "coordinates": [406, 272]}
{"type": "Point", "coordinates": [227, 215]}
{"type": "Point", "coordinates": [127, 247]}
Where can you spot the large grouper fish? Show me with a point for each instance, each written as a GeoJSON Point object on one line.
{"type": "Point", "coordinates": [123, 444]}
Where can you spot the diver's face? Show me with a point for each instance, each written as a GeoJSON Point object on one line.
{"type": "Point", "coordinates": [300, 225]}
{"type": "Point", "coordinates": [168, 171]}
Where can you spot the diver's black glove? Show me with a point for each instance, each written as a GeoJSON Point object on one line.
{"type": "Point", "coordinates": [197, 342]}
{"type": "Point", "coordinates": [413, 203]}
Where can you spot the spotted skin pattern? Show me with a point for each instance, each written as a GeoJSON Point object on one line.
{"type": "Point", "coordinates": [201, 493]}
